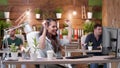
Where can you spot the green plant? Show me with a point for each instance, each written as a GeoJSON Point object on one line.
{"type": "Point", "coordinates": [65, 25]}
{"type": "Point", "coordinates": [38, 11]}
{"type": "Point", "coordinates": [90, 43]}
{"type": "Point", "coordinates": [88, 27]}
{"type": "Point", "coordinates": [58, 10]}
{"type": "Point", "coordinates": [7, 9]}
{"type": "Point", "coordinates": [3, 25]}
{"type": "Point", "coordinates": [90, 8]}
{"type": "Point", "coordinates": [35, 44]}
{"type": "Point", "coordinates": [94, 3]}
{"type": "Point", "coordinates": [65, 32]}
{"type": "Point", "coordinates": [13, 48]}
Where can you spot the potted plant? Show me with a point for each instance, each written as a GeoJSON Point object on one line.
{"type": "Point", "coordinates": [34, 54]}
{"type": "Point", "coordinates": [64, 33]}
{"type": "Point", "coordinates": [37, 13]}
{"type": "Point", "coordinates": [25, 51]}
{"type": "Point", "coordinates": [58, 12]}
{"type": "Point", "coordinates": [7, 13]}
{"type": "Point", "coordinates": [88, 26]}
{"type": "Point", "coordinates": [90, 45]}
{"type": "Point", "coordinates": [3, 25]}
{"type": "Point", "coordinates": [14, 51]}
{"type": "Point", "coordinates": [89, 13]}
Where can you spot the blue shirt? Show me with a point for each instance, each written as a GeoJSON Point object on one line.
{"type": "Point", "coordinates": [96, 43]}
{"type": "Point", "coordinates": [91, 38]}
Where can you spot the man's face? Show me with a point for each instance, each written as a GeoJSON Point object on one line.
{"type": "Point", "coordinates": [98, 30]}
{"type": "Point", "coordinates": [12, 33]}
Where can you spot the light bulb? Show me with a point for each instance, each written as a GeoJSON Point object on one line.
{"type": "Point", "coordinates": [74, 12]}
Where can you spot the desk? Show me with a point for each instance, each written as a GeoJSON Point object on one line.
{"type": "Point", "coordinates": [81, 50]}
{"type": "Point", "coordinates": [69, 51]}
{"type": "Point", "coordinates": [94, 59]}
{"type": "Point", "coordinates": [4, 56]}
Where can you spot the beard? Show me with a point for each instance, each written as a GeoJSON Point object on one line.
{"type": "Point", "coordinates": [12, 35]}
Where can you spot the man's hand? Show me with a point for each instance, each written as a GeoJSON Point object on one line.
{"type": "Point", "coordinates": [100, 47]}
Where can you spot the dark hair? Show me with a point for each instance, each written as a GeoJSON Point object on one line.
{"type": "Point", "coordinates": [48, 21]}
{"type": "Point", "coordinates": [53, 38]}
{"type": "Point", "coordinates": [97, 25]}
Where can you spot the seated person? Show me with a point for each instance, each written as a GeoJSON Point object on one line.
{"type": "Point", "coordinates": [12, 39]}
{"type": "Point", "coordinates": [96, 39]}
{"type": "Point", "coordinates": [49, 39]}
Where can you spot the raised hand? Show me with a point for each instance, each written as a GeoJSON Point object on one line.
{"type": "Point", "coordinates": [44, 23]}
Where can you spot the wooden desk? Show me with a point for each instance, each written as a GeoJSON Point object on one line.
{"type": "Point", "coordinates": [94, 59]}
{"type": "Point", "coordinates": [69, 51]}
{"type": "Point", "coordinates": [81, 50]}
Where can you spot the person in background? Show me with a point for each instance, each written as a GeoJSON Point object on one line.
{"type": "Point", "coordinates": [96, 39]}
{"type": "Point", "coordinates": [12, 39]}
{"type": "Point", "coordinates": [49, 39]}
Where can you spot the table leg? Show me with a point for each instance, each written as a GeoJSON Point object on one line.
{"type": "Point", "coordinates": [118, 66]}
{"type": "Point", "coordinates": [108, 65]}
{"type": "Point", "coordinates": [69, 54]}
{"type": "Point", "coordinates": [42, 66]}
{"type": "Point", "coordinates": [11, 66]}
{"type": "Point", "coordinates": [23, 66]}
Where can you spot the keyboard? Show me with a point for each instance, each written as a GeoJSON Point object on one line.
{"type": "Point", "coordinates": [77, 57]}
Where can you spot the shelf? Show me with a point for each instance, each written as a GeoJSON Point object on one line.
{"type": "Point", "coordinates": [5, 19]}
{"type": "Point", "coordinates": [39, 19]}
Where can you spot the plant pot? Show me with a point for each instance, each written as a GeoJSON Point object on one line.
{"type": "Point", "coordinates": [90, 48]}
{"type": "Point", "coordinates": [89, 15]}
{"type": "Point", "coordinates": [58, 15]}
{"type": "Point", "coordinates": [14, 55]}
{"type": "Point", "coordinates": [7, 14]}
{"type": "Point", "coordinates": [64, 36]}
{"type": "Point", "coordinates": [37, 16]}
{"type": "Point", "coordinates": [7, 20]}
{"type": "Point", "coordinates": [33, 56]}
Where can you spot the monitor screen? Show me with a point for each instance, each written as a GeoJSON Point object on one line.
{"type": "Point", "coordinates": [111, 40]}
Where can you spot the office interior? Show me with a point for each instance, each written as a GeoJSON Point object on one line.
{"type": "Point", "coordinates": [104, 12]}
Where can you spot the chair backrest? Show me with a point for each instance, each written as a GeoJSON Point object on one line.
{"type": "Point", "coordinates": [83, 44]}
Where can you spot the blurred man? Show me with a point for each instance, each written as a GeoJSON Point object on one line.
{"type": "Point", "coordinates": [12, 39]}
{"type": "Point", "coordinates": [96, 39]}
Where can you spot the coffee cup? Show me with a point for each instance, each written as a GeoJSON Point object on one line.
{"type": "Point", "coordinates": [50, 54]}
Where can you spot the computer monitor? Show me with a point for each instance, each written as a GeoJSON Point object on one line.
{"type": "Point", "coordinates": [111, 41]}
